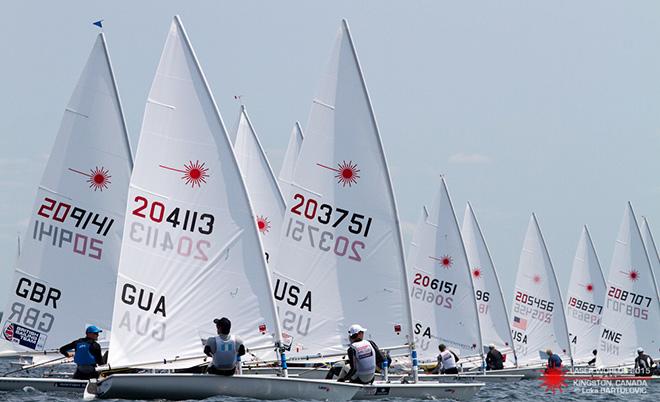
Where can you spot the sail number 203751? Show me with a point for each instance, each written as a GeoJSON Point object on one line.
{"type": "Point", "coordinates": [326, 214]}
{"type": "Point", "coordinates": [188, 220]}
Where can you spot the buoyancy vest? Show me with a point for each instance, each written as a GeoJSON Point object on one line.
{"type": "Point", "coordinates": [365, 355]}
{"type": "Point", "coordinates": [83, 356]}
{"type": "Point", "coordinates": [448, 361]}
{"type": "Point", "coordinates": [224, 352]}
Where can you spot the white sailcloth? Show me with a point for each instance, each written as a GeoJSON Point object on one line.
{"type": "Point", "coordinates": [631, 315]}
{"type": "Point", "coordinates": [341, 257]}
{"type": "Point", "coordinates": [537, 316]}
{"type": "Point", "coordinates": [291, 156]}
{"type": "Point", "coordinates": [261, 184]}
{"type": "Point", "coordinates": [651, 249]}
{"type": "Point", "coordinates": [191, 250]}
{"type": "Point", "coordinates": [442, 292]}
{"type": "Point", "coordinates": [493, 316]}
{"type": "Point", "coordinates": [66, 272]}
{"type": "Point", "coordinates": [584, 300]}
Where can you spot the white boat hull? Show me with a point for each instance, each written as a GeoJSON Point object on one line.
{"type": "Point", "coordinates": [464, 377]}
{"type": "Point", "coordinates": [42, 384]}
{"type": "Point", "coordinates": [201, 386]}
{"type": "Point", "coordinates": [425, 390]}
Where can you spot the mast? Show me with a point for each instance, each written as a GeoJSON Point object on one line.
{"type": "Point", "coordinates": [404, 275]}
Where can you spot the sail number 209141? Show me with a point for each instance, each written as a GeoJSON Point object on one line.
{"type": "Point", "coordinates": [191, 221]}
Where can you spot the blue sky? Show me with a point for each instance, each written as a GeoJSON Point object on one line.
{"type": "Point", "coordinates": [546, 107]}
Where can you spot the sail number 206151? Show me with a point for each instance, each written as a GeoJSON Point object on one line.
{"type": "Point", "coordinates": [191, 221]}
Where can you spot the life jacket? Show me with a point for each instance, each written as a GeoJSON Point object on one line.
{"type": "Point", "coordinates": [365, 355]}
{"type": "Point", "coordinates": [448, 360]}
{"type": "Point", "coordinates": [83, 356]}
{"type": "Point", "coordinates": [224, 355]}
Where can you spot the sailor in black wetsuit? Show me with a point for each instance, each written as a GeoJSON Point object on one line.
{"type": "Point", "coordinates": [494, 359]}
{"type": "Point", "coordinates": [87, 354]}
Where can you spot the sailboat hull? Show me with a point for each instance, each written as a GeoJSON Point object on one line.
{"type": "Point", "coordinates": [41, 384]}
{"type": "Point", "coordinates": [200, 386]}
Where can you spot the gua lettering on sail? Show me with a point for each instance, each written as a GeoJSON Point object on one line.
{"type": "Point", "coordinates": [538, 322]}
{"type": "Point", "coordinates": [631, 315]}
{"type": "Point", "coordinates": [191, 250]}
{"type": "Point", "coordinates": [67, 269]}
{"type": "Point", "coordinates": [584, 300]}
{"type": "Point", "coordinates": [341, 258]}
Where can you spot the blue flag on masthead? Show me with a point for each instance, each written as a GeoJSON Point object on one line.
{"type": "Point", "coordinates": [98, 23]}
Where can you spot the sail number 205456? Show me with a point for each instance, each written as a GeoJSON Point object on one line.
{"type": "Point", "coordinates": [191, 221]}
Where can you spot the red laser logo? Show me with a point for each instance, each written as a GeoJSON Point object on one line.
{"type": "Point", "coordinates": [194, 173]}
{"type": "Point", "coordinates": [263, 224]}
{"type": "Point", "coordinates": [346, 172]}
{"type": "Point", "coordinates": [446, 261]}
{"type": "Point", "coordinates": [476, 273]}
{"type": "Point", "coordinates": [553, 379]}
{"type": "Point", "coordinates": [98, 178]}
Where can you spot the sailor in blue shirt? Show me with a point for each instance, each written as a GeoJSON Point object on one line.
{"type": "Point", "coordinates": [87, 354]}
{"type": "Point", "coordinates": [554, 361]}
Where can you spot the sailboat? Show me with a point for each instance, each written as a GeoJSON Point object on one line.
{"type": "Point", "coordinates": [442, 291]}
{"type": "Point", "coordinates": [631, 312]}
{"type": "Point", "coordinates": [261, 184]}
{"type": "Point", "coordinates": [537, 316]}
{"type": "Point", "coordinates": [584, 300]}
{"type": "Point", "coordinates": [67, 270]}
{"type": "Point", "coordinates": [191, 253]}
{"type": "Point", "coordinates": [340, 258]}
{"type": "Point", "coordinates": [291, 156]}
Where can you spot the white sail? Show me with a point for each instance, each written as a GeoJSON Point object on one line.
{"type": "Point", "coordinates": [584, 300]}
{"type": "Point", "coordinates": [442, 292]}
{"type": "Point", "coordinates": [537, 316]}
{"type": "Point", "coordinates": [651, 249]}
{"type": "Point", "coordinates": [291, 156]}
{"type": "Point", "coordinates": [493, 316]}
{"type": "Point", "coordinates": [631, 314]}
{"type": "Point", "coordinates": [341, 260]}
{"type": "Point", "coordinates": [191, 250]}
{"type": "Point", "coordinates": [66, 272]}
{"type": "Point", "coordinates": [261, 184]}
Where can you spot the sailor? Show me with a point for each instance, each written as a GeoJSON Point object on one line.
{"type": "Point", "coordinates": [554, 361]}
{"type": "Point", "coordinates": [87, 354]}
{"type": "Point", "coordinates": [446, 361]}
{"type": "Point", "coordinates": [593, 361]}
{"type": "Point", "coordinates": [364, 357]}
{"type": "Point", "coordinates": [224, 349]}
{"type": "Point", "coordinates": [643, 363]}
{"type": "Point", "coordinates": [494, 359]}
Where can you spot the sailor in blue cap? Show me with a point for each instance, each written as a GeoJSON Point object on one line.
{"type": "Point", "coordinates": [87, 353]}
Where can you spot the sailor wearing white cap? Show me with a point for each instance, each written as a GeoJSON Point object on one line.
{"type": "Point", "coordinates": [363, 358]}
{"type": "Point", "coordinates": [643, 363]}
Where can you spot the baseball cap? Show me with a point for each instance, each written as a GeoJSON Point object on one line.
{"type": "Point", "coordinates": [93, 329]}
{"type": "Point", "coordinates": [640, 350]}
{"type": "Point", "coordinates": [355, 328]}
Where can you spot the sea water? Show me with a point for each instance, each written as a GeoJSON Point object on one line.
{"type": "Point", "coordinates": [533, 390]}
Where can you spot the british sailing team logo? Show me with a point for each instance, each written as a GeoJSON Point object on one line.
{"type": "Point", "coordinates": [194, 173]}
{"type": "Point", "coordinates": [346, 173]}
{"type": "Point", "coordinates": [98, 178]}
